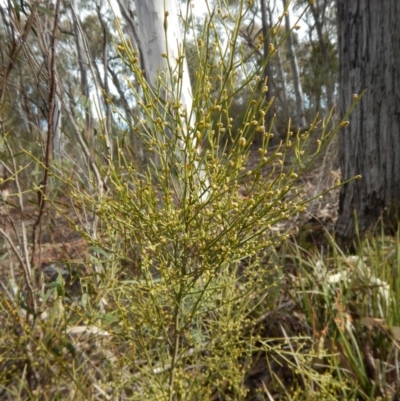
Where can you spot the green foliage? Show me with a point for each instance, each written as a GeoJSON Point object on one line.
{"type": "Point", "coordinates": [351, 303]}
{"type": "Point", "coordinates": [183, 294]}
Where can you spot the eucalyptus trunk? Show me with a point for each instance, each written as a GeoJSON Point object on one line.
{"type": "Point", "coordinates": [369, 52]}
{"type": "Point", "coordinates": [161, 44]}
{"type": "Point", "coordinates": [267, 70]}
{"type": "Point", "coordinates": [301, 118]}
{"type": "Point", "coordinates": [83, 63]}
{"type": "Point", "coordinates": [329, 84]}
{"type": "Point", "coordinates": [162, 53]}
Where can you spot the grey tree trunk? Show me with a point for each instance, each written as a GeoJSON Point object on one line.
{"type": "Point", "coordinates": [329, 85]}
{"type": "Point", "coordinates": [301, 118]}
{"type": "Point", "coordinates": [159, 34]}
{"type": "Point", "coordinates": [83, 62]}
{"type": "Point", "coordinates": [282, 94]}
{"type": "Point", "coordinates": [162, 52]}
{"type": "Point", "coordinates": [86, 66]}
{"type": "Point", "coordinates": [267, 70]}
{"type": "Point", "coordinates": [105, 80]}
{"type": "Point", "coordinates": [369, 52]}
{"type": "Point", "coordinates": [131, 27]}
{"type": "Point", "coordinates": [58, 139]}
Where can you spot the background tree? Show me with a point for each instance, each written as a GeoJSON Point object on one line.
{"type": "Point", "coordinates": [137, 287]}
{"type": "Point", "coordinates": [319, 63]}
{"type": "Point", "coordinates": [300, 113]}
{"type": "Point", "coordinates": [369, 50]}
{"type": "Point", "coordinates": [267, 40]}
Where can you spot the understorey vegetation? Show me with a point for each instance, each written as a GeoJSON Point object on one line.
{"type": "Point", "coordinates": [188, 270]}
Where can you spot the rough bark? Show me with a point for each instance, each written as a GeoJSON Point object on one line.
{"type": "Point", "coordinates": [369, 52]}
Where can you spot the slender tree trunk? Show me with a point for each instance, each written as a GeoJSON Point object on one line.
{"type": "Point", "coordinates": [329, 85]}
{"type": "Point", "coordinates": [162, 52]}
{"type": "Point", "coordinates": [369, 52]}
{"type": "Point", "coordinates": [104, 84]}
{"type": "Point", "coordinates": [131, 27]}
{"type": "Point", "coordinates": [86, 64]}
{"type": "Point", "coordinates": [267, 70]}
{"type": "Point", "coordinates": [58, 137]}
{"type": "Point", "coordinates": [301, 118]}
{"type": "Point", "coordinates": [57, 144]}
{"type": "Point", "coordinates": [281, 73]}
{"type": "Point", "coordinates": [160, 35]}
{"type": "Point", "coordinates": [83, 62]}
